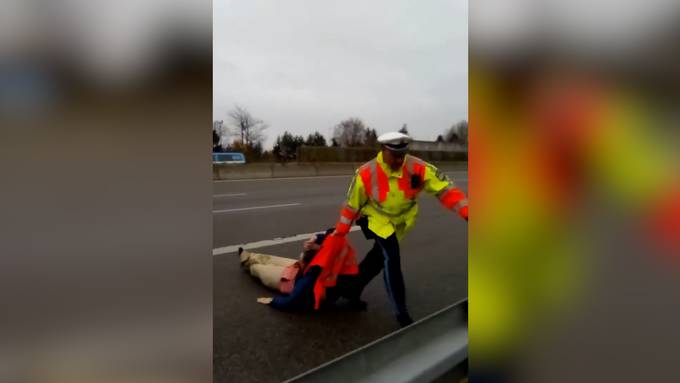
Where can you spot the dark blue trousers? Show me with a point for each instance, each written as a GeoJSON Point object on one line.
{"type": "Point", "coordinates": [384, 256]}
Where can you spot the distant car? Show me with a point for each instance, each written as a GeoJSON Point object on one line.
{"type": "Point", "coordinates": [228, 158]}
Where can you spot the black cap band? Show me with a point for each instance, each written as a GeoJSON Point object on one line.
{"type": "Point", "coordinates": [402, 147]}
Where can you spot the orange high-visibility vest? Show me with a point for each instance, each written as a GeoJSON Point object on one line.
{"type": "Point", "coordinates": [336, 257]}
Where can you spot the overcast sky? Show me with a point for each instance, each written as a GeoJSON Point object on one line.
{"type": "Point", "coordinates": [305, 65]}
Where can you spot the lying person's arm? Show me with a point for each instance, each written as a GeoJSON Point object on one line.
{"type": "Point", "coordinates": [302, 296]}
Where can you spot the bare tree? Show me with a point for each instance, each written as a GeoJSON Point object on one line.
{"type": "Point", "coordinates": [350, 132]}
{"type": "Point", "coordinates": [463, 133]}
{"type": "Point", "coordinates": [219, 131]}
{"type": "Point", "coordinates": [248, 127]}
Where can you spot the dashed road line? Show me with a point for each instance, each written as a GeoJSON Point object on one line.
{"type": "Point", "coordinates": [255, 208]}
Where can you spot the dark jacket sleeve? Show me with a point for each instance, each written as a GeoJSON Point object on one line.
{"type": "Point", "coordinates": [302, 296]}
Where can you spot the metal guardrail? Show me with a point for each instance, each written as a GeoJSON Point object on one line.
{"type": "Point", "coordinates": [422, 352]}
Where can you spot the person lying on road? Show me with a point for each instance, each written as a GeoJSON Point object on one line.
{"type": "Point", "coordinates": [305, 283]}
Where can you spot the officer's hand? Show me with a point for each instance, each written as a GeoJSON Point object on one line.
{"type": "Point", "coordinates": [265, 300]}
{"type": "Point", "coordinates": [309, 243]}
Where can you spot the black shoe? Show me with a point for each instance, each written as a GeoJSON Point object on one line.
{"type": "Point", "coordinates": [404, 320]}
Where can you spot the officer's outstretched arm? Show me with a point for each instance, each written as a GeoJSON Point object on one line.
{"type": "Point", "coordinates": [438, 184]}
{"type": "Point", "coordinates": [356, 198]}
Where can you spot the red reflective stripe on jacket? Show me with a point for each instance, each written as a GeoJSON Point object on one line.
{"type": "Point", "coordinates": [347, 213]}
{"type": "Point", "coordinates": [336, 257]}
{"type": "Point", "coordinates": [342, 228]}
{"type": "Point", "coordinates": [405, 183]}
{"type": "Point", "coordinates": [419, 169]}
{"type": "Point", "coordinates": [347, 216]}
{"type": "Point", "coordinates": [412, 167]}
{"type": "Point", "coordinates": [451, 197]}
{"type": "Point", "coordinates": [383, 183]}
{"type": "Point", "coordinates": [350, 209]}
{"type": "Point", "coordinates": [365, 174]}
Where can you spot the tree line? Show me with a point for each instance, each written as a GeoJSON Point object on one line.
{"type": "Point", "coordinates": [247, 133]}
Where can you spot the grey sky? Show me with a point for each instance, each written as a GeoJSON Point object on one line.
{"type": "Point", "coordinates": [305, 65]}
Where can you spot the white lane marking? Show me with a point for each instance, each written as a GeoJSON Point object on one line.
{"type": "Point", "coordinates": [268, 242]}
{"type": "Point", "coordinates": [255, 208]}
{"type": "Point", "coordinates": [228, 195]}
{"type": "Point", "coordinates": [281, 178]}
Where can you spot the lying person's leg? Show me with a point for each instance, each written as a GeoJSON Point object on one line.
{"type": "Point", "coordinates": [280, 261]}
{"type": "Point", "coordinates": [302, 296]}
{"type": "Point", "coordinates": [249, 258]}
{"type": "Point", "coordinates": [269, 275]}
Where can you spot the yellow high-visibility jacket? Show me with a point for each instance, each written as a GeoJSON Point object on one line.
{"type": "Point", "coordinates": [389, 198]}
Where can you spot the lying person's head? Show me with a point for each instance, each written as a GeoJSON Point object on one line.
{"type": "Point", "coordinates": [312, 246]}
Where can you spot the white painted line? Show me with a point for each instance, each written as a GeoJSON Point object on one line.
{"type": "Point", "coordinates": [282, 178]}
{"type": "Point", "coordinates": [228, 195]}
{"type": "Point", "coordinates": [268, 242]}
{"type": "Point", "coordinates": [255, 208]}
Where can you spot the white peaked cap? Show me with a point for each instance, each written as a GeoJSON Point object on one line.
{"type": "Point", "coordinates": [395, 141]}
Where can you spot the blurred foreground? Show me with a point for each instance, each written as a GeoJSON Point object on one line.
{"type": "Point", "coordinates": [575, 192]}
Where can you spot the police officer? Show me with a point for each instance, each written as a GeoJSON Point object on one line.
{"type": "Point", "coordinates": [384, 194]}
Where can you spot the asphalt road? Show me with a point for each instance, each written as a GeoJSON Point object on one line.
{"type": "Point", "coordinates": [254, 343]}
